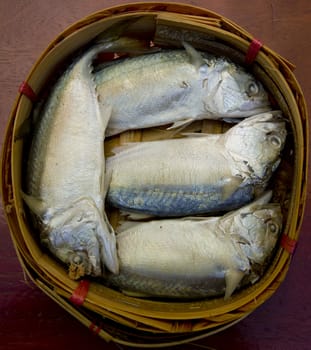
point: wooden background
(28, 318)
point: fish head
(255, 145)
(256, 227)
(260, 230)
(234, 93)
(74, 242)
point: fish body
(177, 86)
(65, 180)
(197, 257)
(196, 174)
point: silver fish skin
(65, 181)
(177, 86)
(196, 257)
(197, 174)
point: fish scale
(201, 173)
(197, 257)
(178, 201)
(64, 187)
(176, 86)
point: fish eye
(76, 259)
(275, 141)
(252, 89)
(273, 227)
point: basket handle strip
(27, 90)
(288, 244)
(252, 51)
(79, 294)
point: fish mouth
(79, 265)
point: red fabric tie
(27, 90)
(288, 244)
(79, 294)
(252, 51)
(95, 329)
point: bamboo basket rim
(280, 73)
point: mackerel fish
(199, 174)
(65, 179)
(177, 86)
(197, 257)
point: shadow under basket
(110, 314)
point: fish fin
(105, 115)
(264, 198)
(180, 124)
(233, 277)
(261, 200)
(36, 205)
(196, 58)
(124, 225)
(109, 245)
(232, 120)
(208, 222)
(128, 46)
(230, 186)
(135, 216)
(105, 111)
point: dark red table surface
(28, 318)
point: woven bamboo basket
(109, 313)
